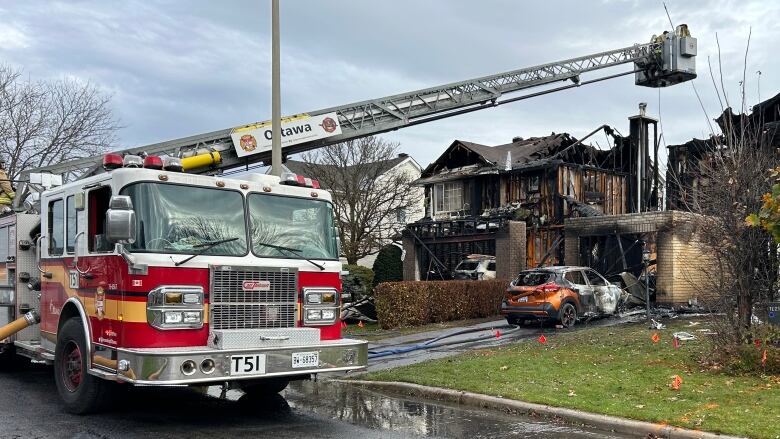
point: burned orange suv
(562, 294)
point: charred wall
(680, 260)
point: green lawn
(617, 371)
(372, 331)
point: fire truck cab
(149, 276)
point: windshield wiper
(292, 250)
(205, 246)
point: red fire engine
(151, 268)
(149, 275)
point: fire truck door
(98, 277)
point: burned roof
(462, 153)
(463, 158)
(768, 110)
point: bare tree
(366, 198)
(724, 183)
(47, 122)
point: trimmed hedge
(388, 266)
(414, 303)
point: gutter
(602, 422)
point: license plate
(305, 359)
(523, 299)
(247, 364)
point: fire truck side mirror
(120, 220)
(79, 201)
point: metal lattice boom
(393, 112)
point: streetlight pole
(276, 95)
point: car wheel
(81, 392)
(267, 386)
(568, 315)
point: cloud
(177, 69)
(13, 38)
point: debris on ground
(683, 336)
(656, 325)
(360, 310)
(635, 288)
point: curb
(603, 422)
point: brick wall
(510, 250)
(682, 275)
(411, 271)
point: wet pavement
(31, 409)
(507, 335)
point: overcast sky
(177, 68)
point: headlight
(192, 317)
(320, 296)
(320, 306)
(175, 307)
(173, 317)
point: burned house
(512, 200)
(685, 175)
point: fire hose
(29, 319)
(437, 341)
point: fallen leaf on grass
(571, 393)
(640, 406)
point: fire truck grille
(236, 304)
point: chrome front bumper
(163, 366)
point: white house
(393, 225)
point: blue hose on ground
(436, 342)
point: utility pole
(276, 105)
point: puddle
(417, 418)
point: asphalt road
(31, 409)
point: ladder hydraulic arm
(666, 60)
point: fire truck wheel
(81, 392)
(267, 386)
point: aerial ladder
(666, 60)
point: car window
(575, 277)
(467, 265)
(491, 266)
(595, 279)
(534, 278)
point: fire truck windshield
(174, 218)
(303, 224)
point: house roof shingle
(520, 152)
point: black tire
(266, 386)
(81, 392)
(567, 315)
